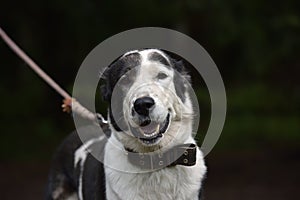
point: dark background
(255, 44)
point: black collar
(184, 154)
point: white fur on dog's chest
(179, 182)
(172, 183)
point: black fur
(128, 63)
(63, 174)
(116, 70)
(112, 75)
(158, 58)
(181, 79)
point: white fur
(164, 94)
(72, 197)
(80, 156)
(174, 183)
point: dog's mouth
(152, 133)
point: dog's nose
(143, 105)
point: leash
(69, 103)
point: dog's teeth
(157, 128)
(151, 134)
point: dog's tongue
(151, 128)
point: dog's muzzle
(148, 130)
(142, 106)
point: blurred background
(255, 44)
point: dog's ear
(180, 68)
(109, 78)
(179, 64)
(105, 93)
(105, 88)
(181, 78)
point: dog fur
(168, 122)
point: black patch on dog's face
(112, 75)
(181, 79)
(156, 57)
(127, 63)
(116, 70)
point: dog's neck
(184, 154)
(181, 150)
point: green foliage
(254, 43)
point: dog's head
(149, 102)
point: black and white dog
(149, 151)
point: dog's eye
(162, 75)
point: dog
(148, 148)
